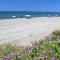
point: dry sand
(24, 31)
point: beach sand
(23, 31)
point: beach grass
(46, 49)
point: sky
(30, 5)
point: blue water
(21, 14)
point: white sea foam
(13, 16)
(27, 15)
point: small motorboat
(13, 16)
(28, 16)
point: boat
(28, 16)
(13, 16)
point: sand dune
(23, 31)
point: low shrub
(42, 50)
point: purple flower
(6, 58)
(52, 58)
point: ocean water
(26, 14)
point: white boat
(27, 15)
(13, 16)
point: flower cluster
(46, 49)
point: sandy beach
(23, 31)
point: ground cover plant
(46, 49)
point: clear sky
(30, 5)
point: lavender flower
(6, 57)
(52, 58)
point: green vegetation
(48, 49)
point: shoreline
(23, 31)
(30, 18)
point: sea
(26, 14)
